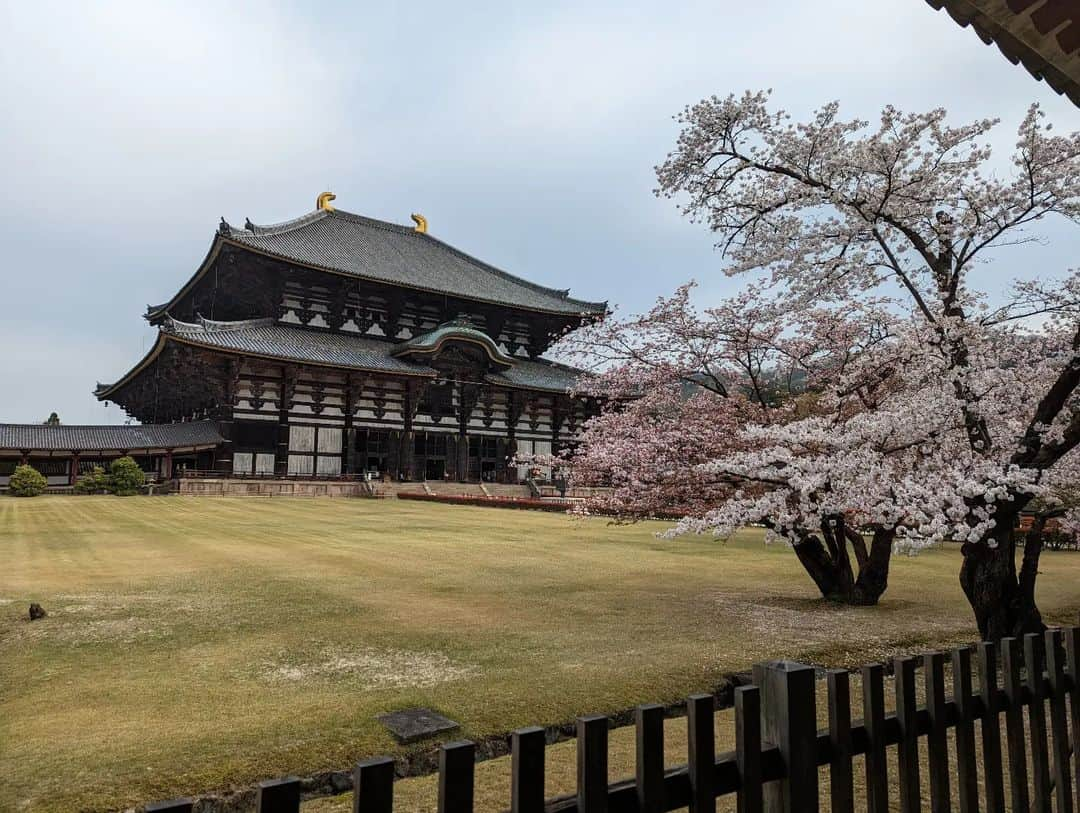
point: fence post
(748, 748)
(967, 777)
(592, 765)
(373, 786)
(841, 779)
(1072, 669)
(527, 770)
(1040, 759)
(907, 750)
(937, 753)
(649, 722)
(1011, 663)
(1059, 725)
(877, 775)
(789, 720)
(701, 752)
(278, 796)
(993, 779)
(457, 762)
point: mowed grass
(198, 644)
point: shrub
(26, 481)
(95, 481)
(125, 477)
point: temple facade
(335, 344)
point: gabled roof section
(1043, 35)
(64, 437)
(430, 343)
(267, 339)
(353, 245)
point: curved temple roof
(64, 437)
(268, 339)
(345, 243)
(431, 343)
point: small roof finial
(323, 201)
(421, 223)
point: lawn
(198, 644)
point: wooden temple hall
(335, 344)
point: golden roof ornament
(323, 201)
(421, 223)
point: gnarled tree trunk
(827, 560)
(1003, 599)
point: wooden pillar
(285, 397)
(166, 465)
(24, 457)
(413, 394)
(224, 415)
(514, 410)
(468, 397)
(348, 434)
(73, 472)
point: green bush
(125, 477)
(95, 481)
(26, 481)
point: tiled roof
(537, 374)
(62, 437)
(400, 255)
(1042, 35)
(266, 338)
(269, 338)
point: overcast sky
(526, 133)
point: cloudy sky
(526, 133)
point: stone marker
(37, 611)
(410, 725)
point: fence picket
(1072, 669)
(373, 786)
(990, 728)
(748, 748)
(1059, 725)
(278, 796)
(457, 762)
(527, 770)
(1040, 761)
(1011, 662)
(841, 779)
(649, 724)
(937, 742)
(877, 776)
(701, 750)
(907, 752)
(592, 764)
(967, 779)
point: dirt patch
(373, 668)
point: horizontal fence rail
(780, 749)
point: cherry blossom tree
(697, 403)
(977, 402)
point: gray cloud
(526, 133)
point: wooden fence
(780, 749)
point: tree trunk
(874, 572)
(829, 564)
(1003, 601)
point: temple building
(335, 344)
